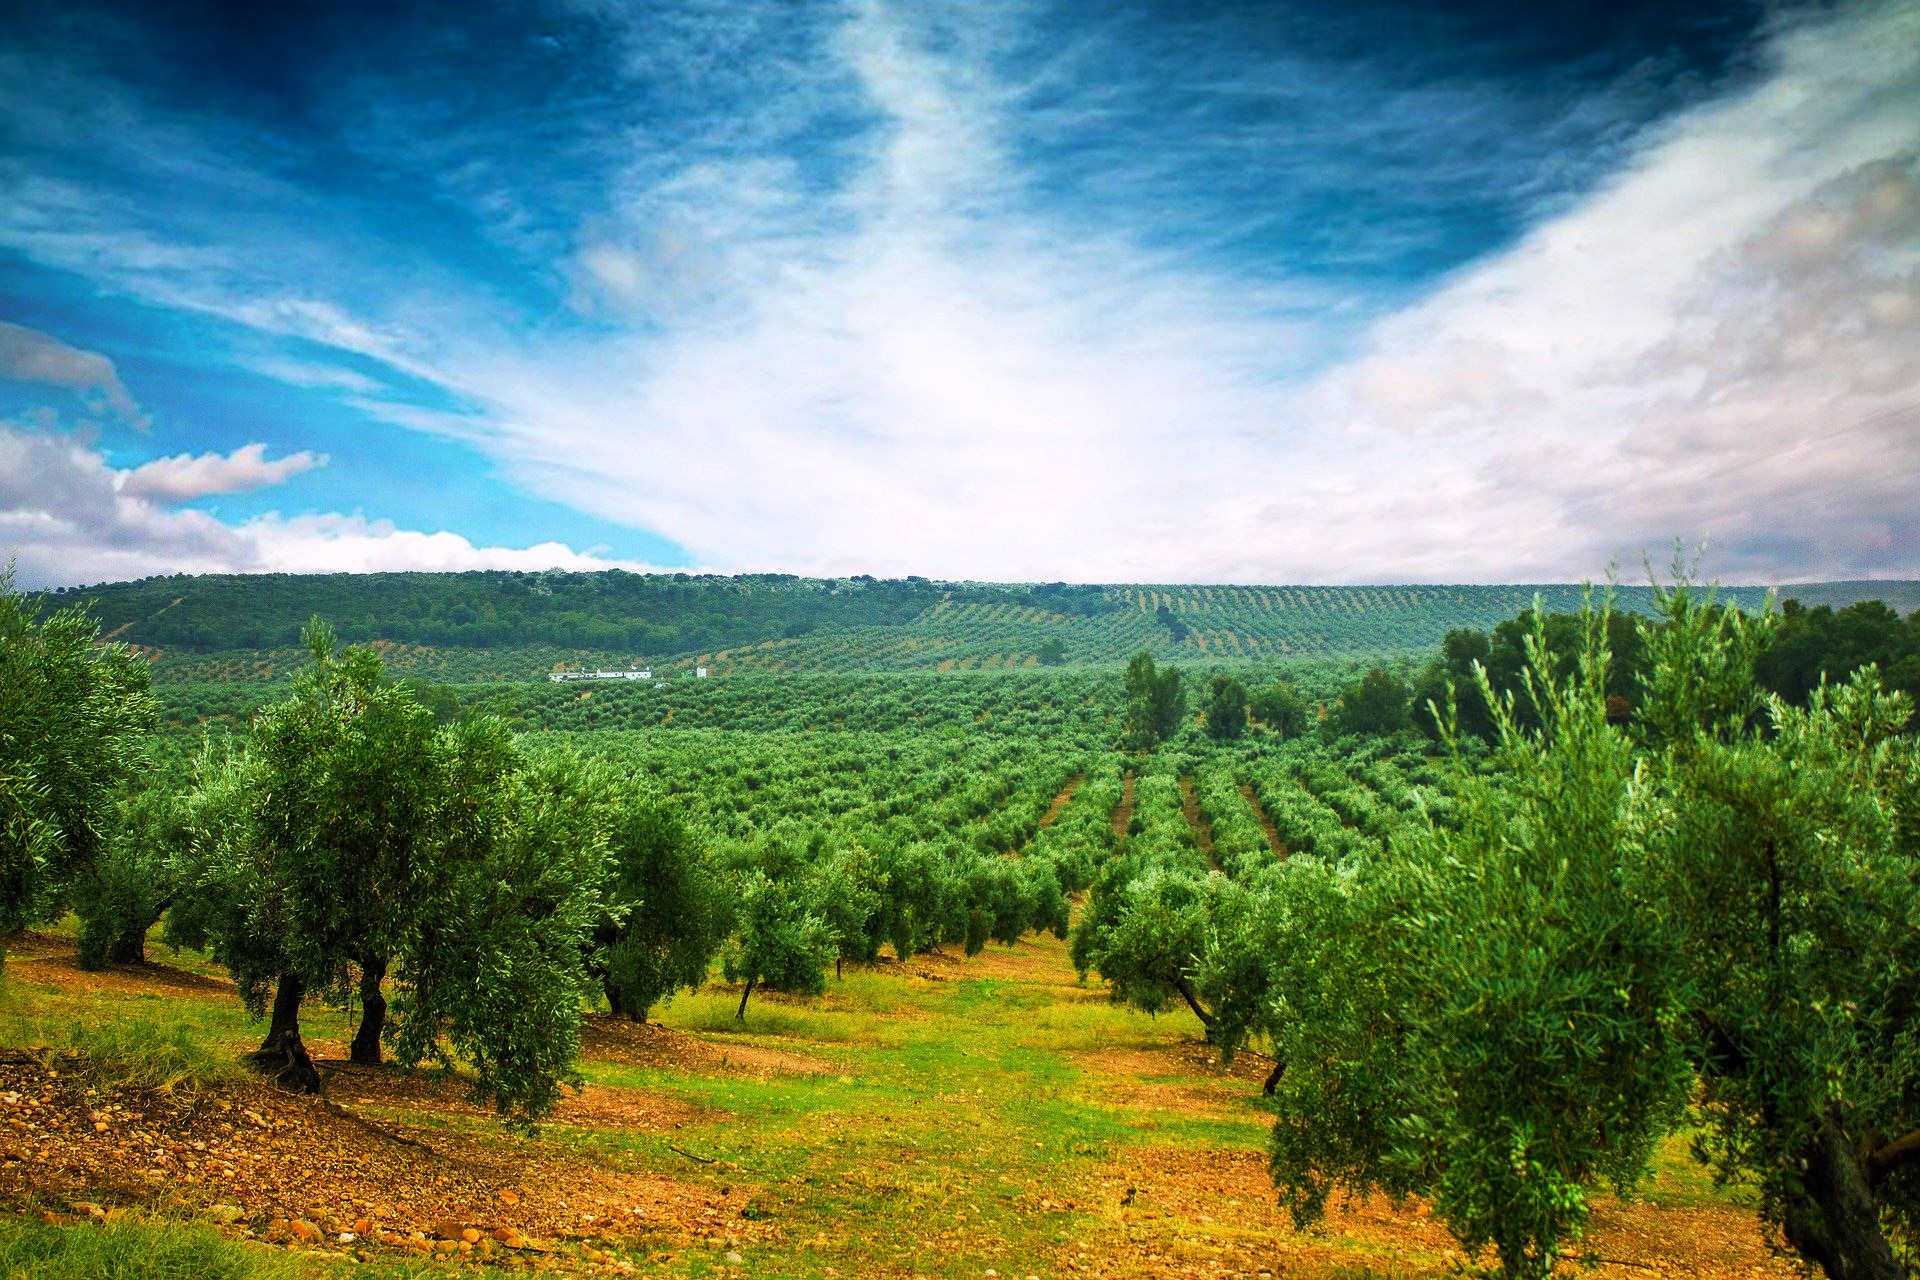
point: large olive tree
(1722, 901)
(74, 717)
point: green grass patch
(135, 1250)
(711, 1012)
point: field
(1021, 936)
(493, 627)
(945, 1117)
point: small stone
(470, 1235)
(304, 1230)
(224, 1214)
(735, 1258)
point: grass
(711, 1012)
(934, 1120)
(161, 1051)
(143, 1041)
(136, 1250)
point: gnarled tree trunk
(740, 1014)
(1835, 1220)
(373, 1014)
(283, 1055)
(129, 948)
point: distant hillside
(513, 626)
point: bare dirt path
(1061, 801)
(1280, 849)
(1202, 830)
(1123, 816)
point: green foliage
(229, 899)
(344, 790)
(1450, 684)
(1722, 899)
(1156, 702)
(1226, 708)
(666, 909)
(1508, 1031)
(781, 941)
(1281, 709)
(1787, 851)
(1374, 704)
(496, 973)
(132, 883)
(1052, 652)
(1822, 644)
(73, 719)
(1143, 930)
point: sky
(1337, 291)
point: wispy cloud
(1722, 344)
(185, 477)
(1012, 293)
(27, 355)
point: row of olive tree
(352, 845)
(1706, 918)
(1712, 914)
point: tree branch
(1186, 993)
(1902, 1151)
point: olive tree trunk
(283, 1055)
(740, 1014)
(373, 1014)
(1835, 1219)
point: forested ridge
(463, 627)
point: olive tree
(781, 939)
(1719, 906)
(666, 910)
(1507, 1033)
(1788, 845)
(344, 801)
(1226, 708)
(74, 718)
(130, 886)
(494, 972)
(1156, 701)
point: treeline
(1806, 647)
(640, 614)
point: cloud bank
(70, 518)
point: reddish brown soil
(1061, 801)
(1266, 823)
(1123, 816)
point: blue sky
(1232, 292)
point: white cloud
(1724, 343)
(184, 477)
(27, 355)
(67, 517)
(960, 386)
(926, 366)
